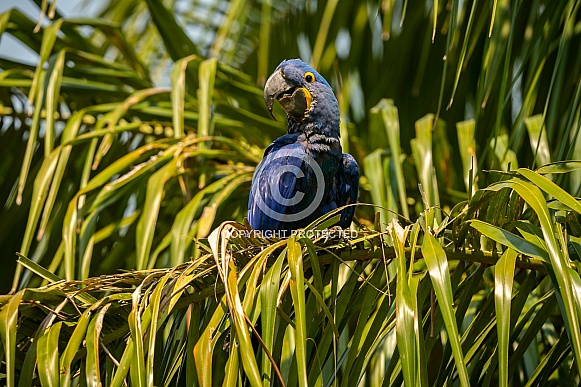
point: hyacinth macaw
(303, 174)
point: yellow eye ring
(309, 77)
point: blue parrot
(303, 174)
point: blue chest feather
(298, 180)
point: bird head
(305, 96)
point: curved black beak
(276, 86)
(294, 99)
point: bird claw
(336, 234)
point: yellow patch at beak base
(308, 97)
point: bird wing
(277, 186)
(348, 189)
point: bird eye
(309, 77)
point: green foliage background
(136, 133)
